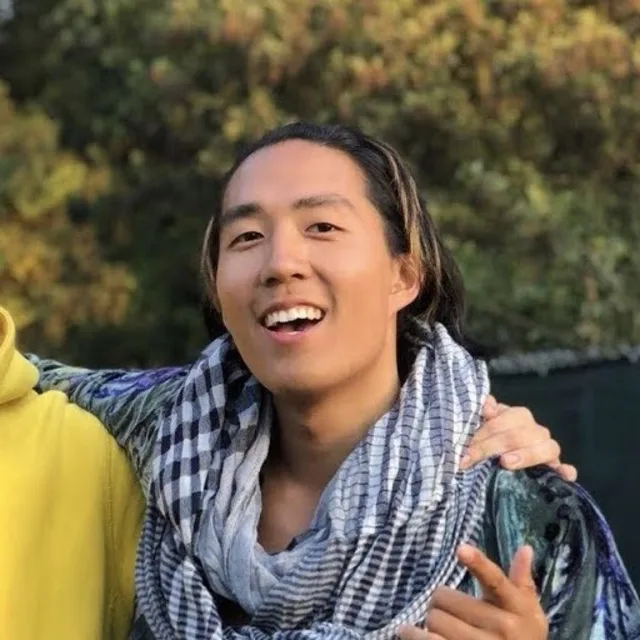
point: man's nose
(286, 257)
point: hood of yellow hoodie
(17, 375)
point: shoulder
(124, 512)
(127, 402)
(536, 506)
(539, 496)
(48, 433)
(581, 579)
(141, 392)
(112, 387)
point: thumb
(490, 408)
(521, 570)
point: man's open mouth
(295, 319)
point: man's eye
(323, 227)
(247, 236)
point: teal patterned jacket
(581, 580)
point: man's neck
(316, 435)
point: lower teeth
(295, 326)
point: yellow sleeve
(126, 506)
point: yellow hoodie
(70, 514)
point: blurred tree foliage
(520, 117)
(51, 273)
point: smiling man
(307, 475)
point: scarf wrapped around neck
(383, 537)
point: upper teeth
(295, 313)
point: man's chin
(297, 382)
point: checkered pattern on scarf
(395, 512)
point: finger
(474, 611)
(516, 419)
(567, 471)
(409, 632)
(514, 443)
(521, 570)
(492, 408)
(476, 451)
(510, 432)
(489, 408)
(496, 587)
(474, 454)
(545, 452)
(444, 624)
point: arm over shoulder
(127, 402)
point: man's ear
(406, 283)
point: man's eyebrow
(321, 200)
(240, 212)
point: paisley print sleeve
(583, 585)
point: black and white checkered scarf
(384, 535)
